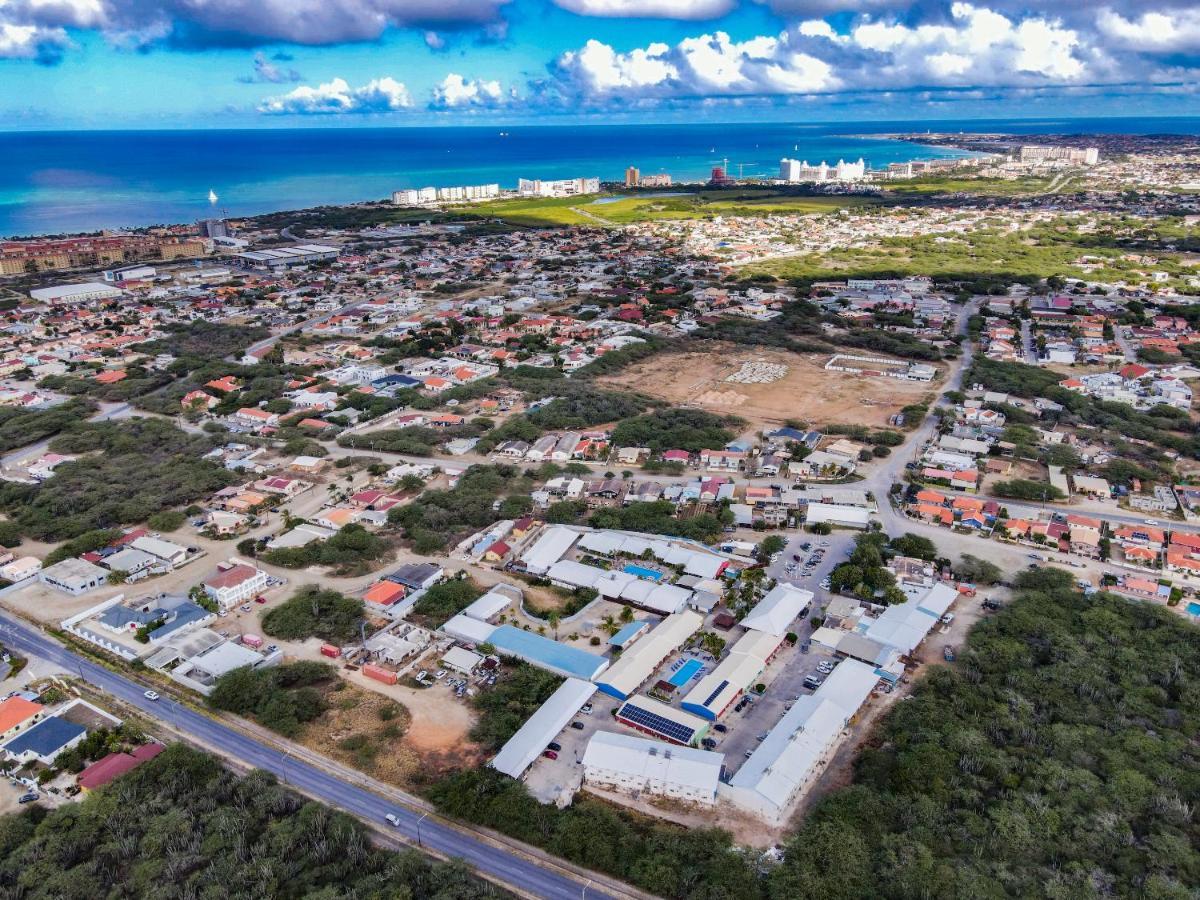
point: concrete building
(73, 576)
(563, 187)
(734, 675)
(636, 765)
(235, 582)
(794, 171)
(638, 662)
(63, 294)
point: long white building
(459, 194)
(794, 751)
(631, 764)
(795, 171)
(563, 187)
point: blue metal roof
(547, 653)
(625, 635)
(46, 737)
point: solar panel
(713, 696)
(656, 723)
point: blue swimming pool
(1193, 608)
(685, 673)
(642, 572)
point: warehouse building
(736, 674)
(548, 549)
(76, 293)
(832, 514)
(792, 754)
(639, 661)
(286, 257)
(547, 654)
(519, 752)
(635, 765)
(904, 625)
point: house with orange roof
(112, 376)
(967, 505)
(197, 399)
(1182, 563)
(966, 480)
(224, 385)
(1015, 529)
(940, 515)
(1141, 556)
(383, 595)
(17, 714)
(1141, 536)
(1085, 542)
(933, 497)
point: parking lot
(549, 779)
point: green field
(631, 209)
(987, 187)
(1049, 249)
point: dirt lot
(806, 392)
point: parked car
(245, 607)
(577, 725)
(812, 682)
(28, 798)
(587, 707)
(708, 743)
(549, 754)
(260, 599)
(439, 674)
(721, 728)
(554, 745)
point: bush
(282, 698)
(445, 600)
(167, 520)
(313, 612)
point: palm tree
(553, 619)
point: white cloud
(456, 92)
(1153, 31)
(336, 97)
(975, 47)
(649, 9)
(434, 41)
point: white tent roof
(551, 717)
(776, 611)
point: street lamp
(419, 821)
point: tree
(978, 571)
(769, 546)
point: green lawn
(627, 210)
(935, 184)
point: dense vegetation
(667, 860)
(143, 466)
(1024, 489)
(433, 519)
(864, 574)
(658, 517)
(508, 704)
(282, 698)
(199, 342)
(313, 612)
(676, 429)
(443, 601)
(351, 551)
(181, 825)
(1057, 760)
(19, 427)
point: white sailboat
(212, 196)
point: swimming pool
(642, 572)
(685, 673)
(1193, 608)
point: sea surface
(71, 181)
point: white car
(393, 820)
(439, 674)
(150, 695)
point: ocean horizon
(58, 182)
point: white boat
(212, 196)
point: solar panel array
(713, 696)
(656, 723)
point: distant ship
(212, 196)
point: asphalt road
(501, 864)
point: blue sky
(269, 63)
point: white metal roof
(776, 611)
(838, 515)
(638, 663)
(493, 602)
(540, 728)
(735, 673)
(549, 549)
(939, 599)
(655, 761)
(785, 759)
(464, 628)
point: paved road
(497, 862)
